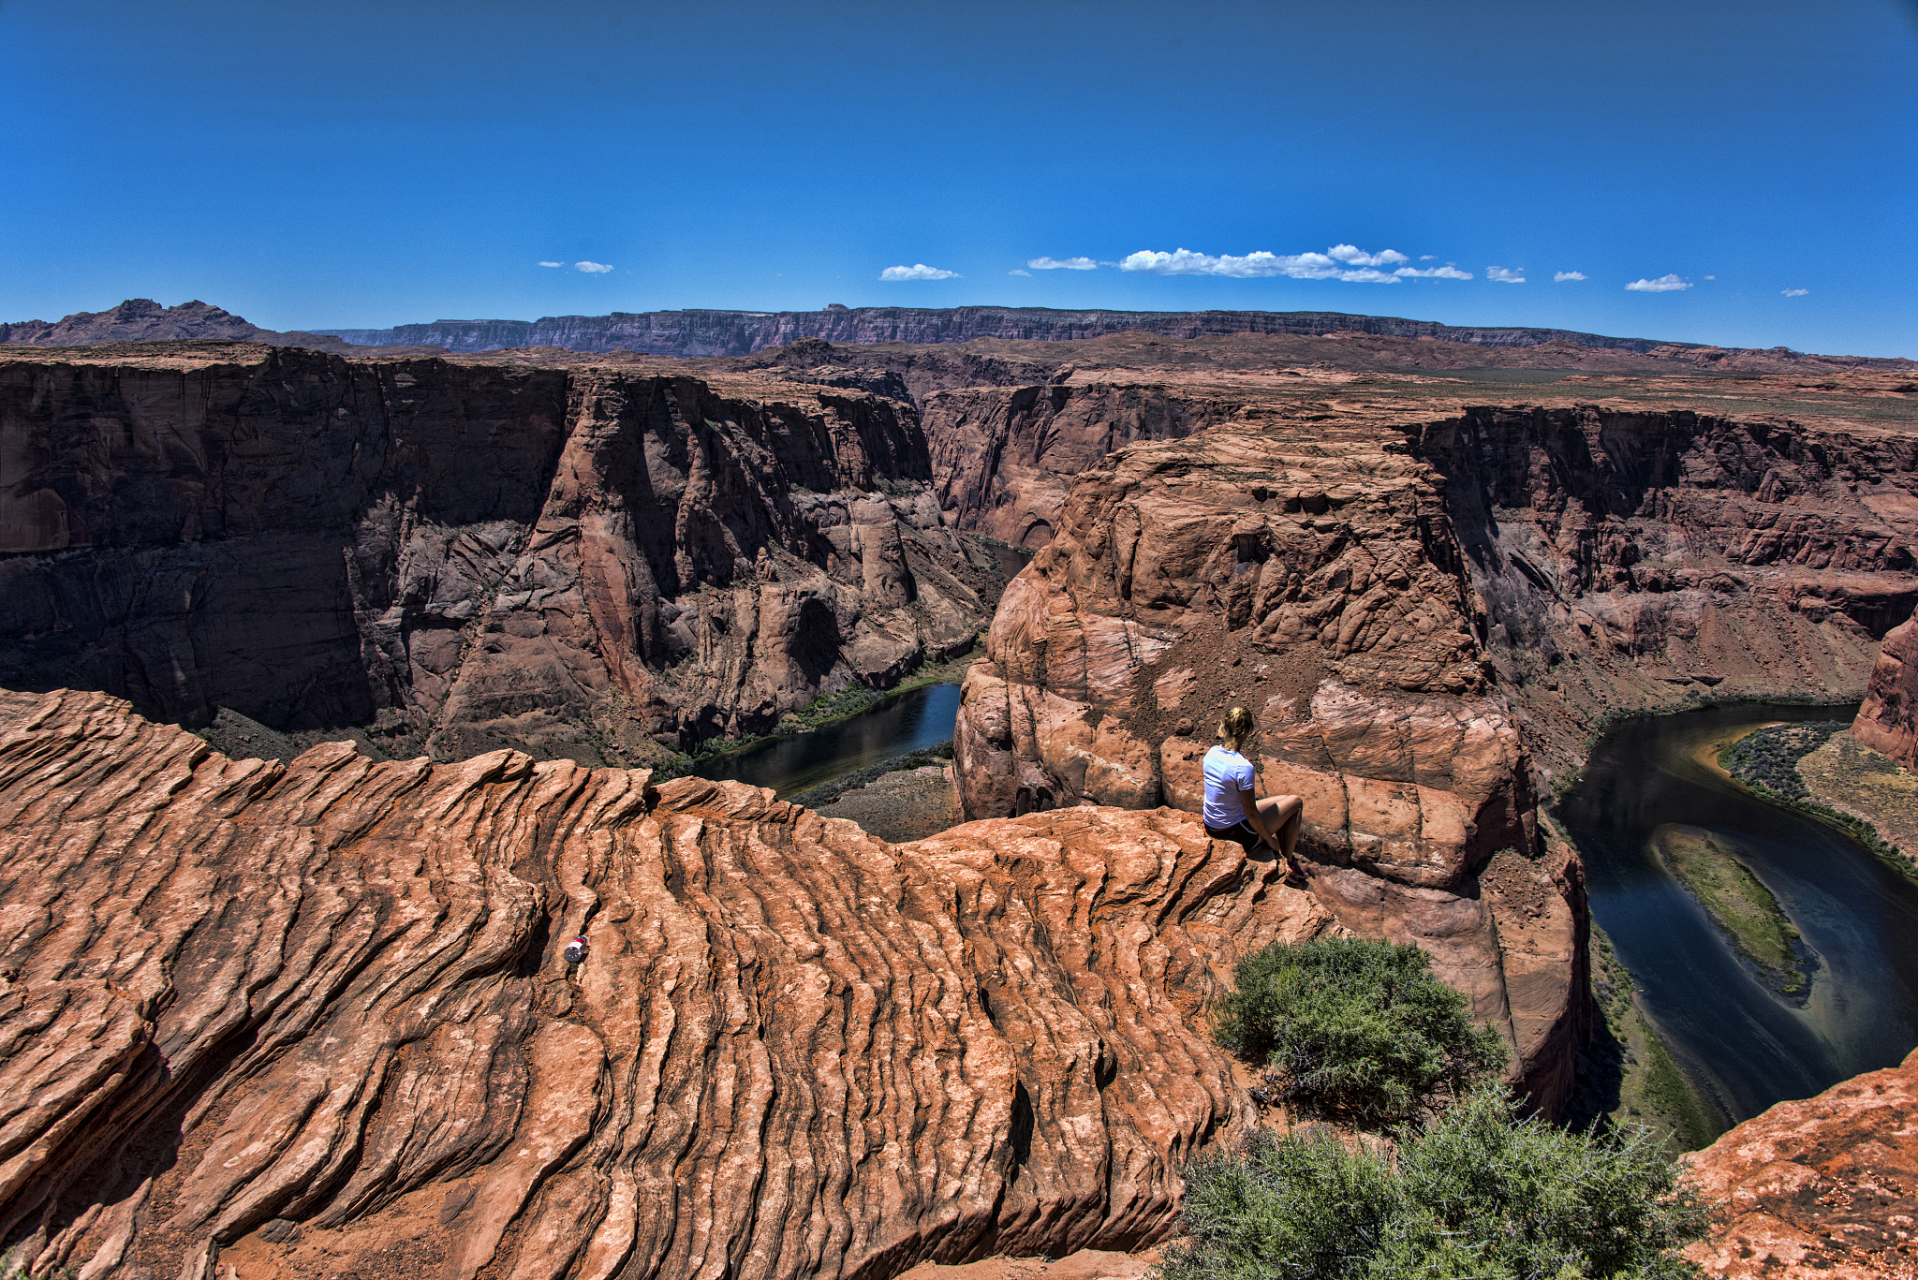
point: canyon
(517, 580)
(608, 566)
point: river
(1743, 1045)
(893, 726)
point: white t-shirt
(1226, 774)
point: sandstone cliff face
(1623, 556)
(738, 333)
(1820, 1189)
(578, 562)
(1003, 459)
(1318, 582)
(1888, 719)
(311, 1019)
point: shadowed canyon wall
(592, 563)
(310, 1019)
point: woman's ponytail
(1237, 726)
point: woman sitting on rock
(1230, 811)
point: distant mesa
(144, 320)
(711, 334)
(741, 333)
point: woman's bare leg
(1283, 814)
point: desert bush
(1354, 1028)
(1478, 1193)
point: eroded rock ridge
(311, 1019)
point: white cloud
(1446, 272)
(918, 271)
(1062, 264)
(1505, 275)
(1795, 293)
(1711, 277)
(1427, 257)
(1341, 262)
(1018, 272)
(1352, 255)
(1664, 284)
(592, 268)
(1561, 277)
(552, 264)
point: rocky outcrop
(593, 563)
(1319, 583)
(1820, 1189)
(1888, 720)
(738, 333)
(144, 320)
(311, 1019)
(1413, 611)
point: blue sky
(358, 164)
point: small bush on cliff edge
(1479, 1193)
(1355, 1028)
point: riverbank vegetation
(842, 705)
(1626, 1076)
(1738, 903)
(828, 792)
(1768, 761)
(1770, 756)
(1460, 1185)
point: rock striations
(594, 563)
(311, 1019)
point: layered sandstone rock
(1319, 583)
(1003, 458)
(581, 562)
(1623, 558)
(311, 1019)
(1888, 720)
(1821, 1189)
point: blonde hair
(1237, 726)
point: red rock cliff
(311, 1019)
(582, 562)
(1888, 720)
(1317, 581)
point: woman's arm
(1248, 801)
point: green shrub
(1477, 1194)
(1354, 1028)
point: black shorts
(1242, 834)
